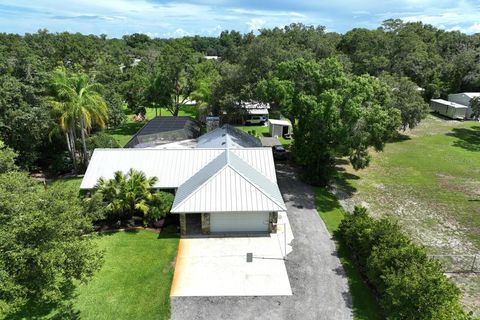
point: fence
(459, 263)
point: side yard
(430, 181)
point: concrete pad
(219, 267)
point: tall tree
(333, 114)
(78, 101)
(43, 248)
(173, 82)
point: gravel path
(319, 285)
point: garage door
(239, 222)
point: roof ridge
(203, 183)
(263, 191)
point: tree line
(392, 70)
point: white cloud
(255, 23)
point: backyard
(429, 179)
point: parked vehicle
(279, 152)
(256, 120)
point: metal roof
(270, 141)
(449, 103)
(227, 136)
(260, 111)
(172, 167)
(280, 122)
(161, 130)
(228, 184)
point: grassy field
(430, 181)
(125, 132)
(133, 283)
(365, 306)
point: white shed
(464, 98)
(279, 128)
(449, 109)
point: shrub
(101, 140)
(408, 283)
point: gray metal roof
(227, 136)
(228, 184)
(172, 167)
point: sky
(166, 19)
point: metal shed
(279, 128)
(464, 98)
(448, 109)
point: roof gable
(228, 183)
(227, 136)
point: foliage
(116, 109)
(7, 158)
(332, 114)
(475, 105)
(131, 193)
(408, 283)
(101, 140)
(43, 250)
(77, 100)
(174, 79)
(406, 97)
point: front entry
(223, 222)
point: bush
(408, 283)
(101, 140)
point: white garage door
(239, 222)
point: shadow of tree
(399, 137)
(343, 181)
(468, 138)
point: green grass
(365, 306)
(133, 283)
(124, 132)
(436, 169)
(263, 131)
(73, 182)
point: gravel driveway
(320, 289)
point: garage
(223, 222)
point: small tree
(131, 193)
(475, 105)
(7, 158)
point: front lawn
(365, 307)
(263, 131)
(133, 283)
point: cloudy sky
(159, 18)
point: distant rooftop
(228, 136)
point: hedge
(408, 284)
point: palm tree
(78, 101)
(128, 193)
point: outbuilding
(464, 98)
(448, 109)
(279, 128)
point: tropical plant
(77, 101)
(131, 193)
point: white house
(464, 98)
(222, 185)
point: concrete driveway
(317, 279)
(218, 267)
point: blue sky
(159, 18)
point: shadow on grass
(399, 137)
(343, 181)
(127, 129)
(468, 138)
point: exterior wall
(183, 224)
(272, 222)
(276, 130)
(205, 223)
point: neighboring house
(253, 112)
(448, 109)
(163, 130)
(225, 184)
(464, 98)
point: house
(279, 128)
(448, 109)
(254, 112)
(162, 130)
(225, 184)
(464, 98)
